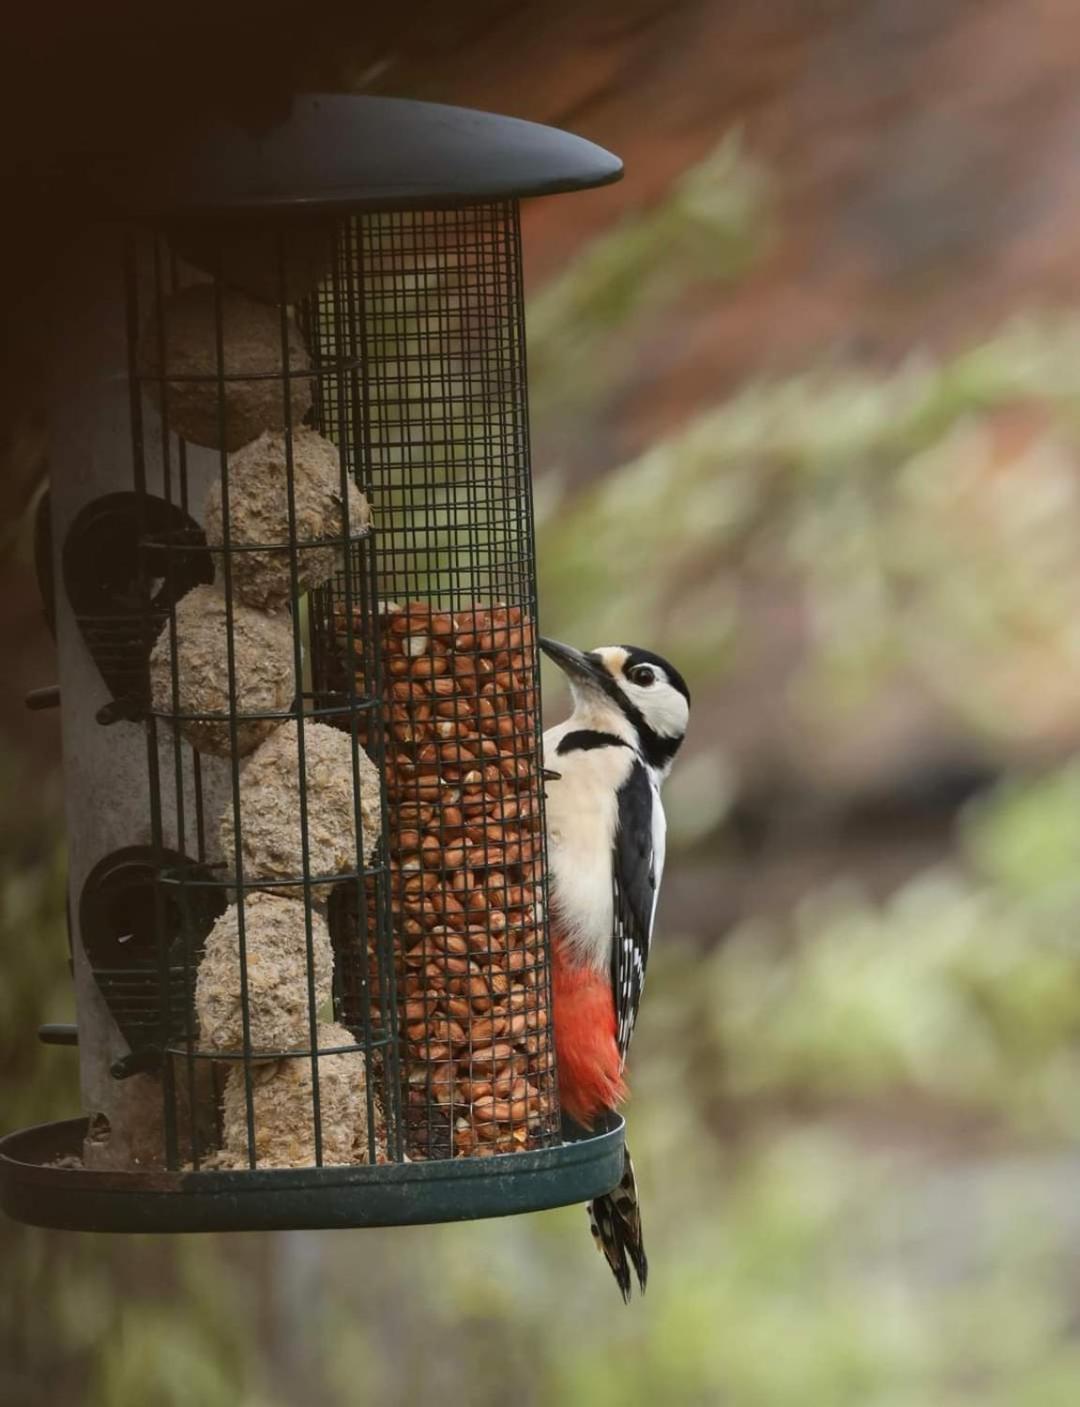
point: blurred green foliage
(713, 226)
(914, 542)
(960, 988)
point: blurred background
(806, 397)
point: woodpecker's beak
(578, 667)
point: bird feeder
(295, 599)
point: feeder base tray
(34, 1190)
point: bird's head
(630, 692)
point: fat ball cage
(295, 604)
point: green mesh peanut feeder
(297, 633)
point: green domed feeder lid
(336, 154)
(42, 1183)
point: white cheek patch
(672, 714)
(663, 708)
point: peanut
(462, 790)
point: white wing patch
(659, 849)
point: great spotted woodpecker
(606, 830)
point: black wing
(636, 868)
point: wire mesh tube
(340, 700)
(437, 383)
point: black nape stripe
(656, 750)
(583, 739)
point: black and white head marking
(586, 739)
(642, 687)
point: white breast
(581, 820)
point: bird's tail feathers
(615, 1222)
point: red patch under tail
(590, 1075)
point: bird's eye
(642, 674)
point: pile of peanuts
(463, 796)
